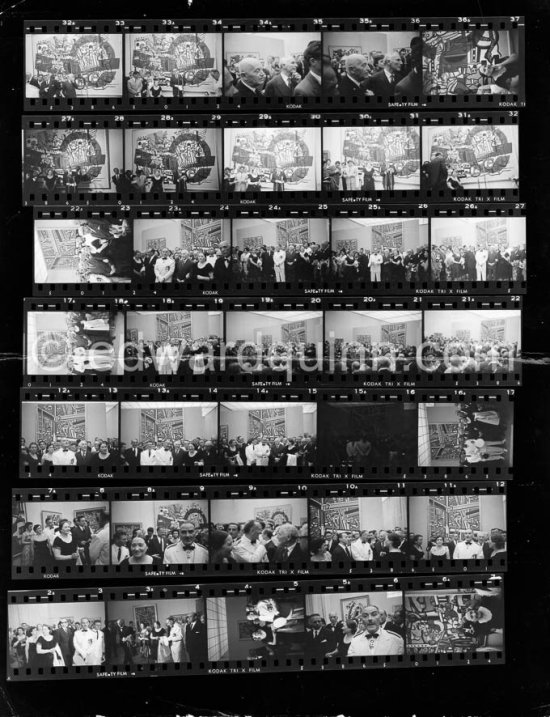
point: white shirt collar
(316, 76)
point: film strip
(266, 433)
(326, 251)
(275, 627)
(274, 342)
(247, 530)
(364, 63)
(244, 159)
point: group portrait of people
(291, 76)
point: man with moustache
(375, 641)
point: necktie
(392, 78)
(284, 555)
(119, 554)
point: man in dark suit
(83, 454)
(251, 78)
(131, 455)
(451, 543)
(332, 541)
(383, 83)
(310, 86)
(319, 641)
(357, 70)
(157, 545)
(178, 454)
(177, 82)
(289, 551)
(64, 637)
(342, 553)
(123, 640)
(195, 640)
(335, 627)
(222, 268)
(283, 84)
(83, 537)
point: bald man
(283, 84)
(251, 77)
(383, 83)
(357, 71)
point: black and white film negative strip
(312, 250)
(178, 630)
(265, 433)
(270, 63)
(280, 342)
(306, 531)
(245, 159)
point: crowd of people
(51, 85)
(274, 541)
(468, 263)
(350, 175)
(269, 451)
(104, 251)
(179, 639)
(379, 359)
(347, 546)
(370, 632)
(85, 642)
(65, 643)
(173, 357)
(393, 74)
(464, 544)
(389, 266)
(60, 541)
(152, 181)
(205, 266)
(468, 355)
(143, 83)
(39, 456)
(279, 358)
(298, 262)
(294, 76)
(171, 452)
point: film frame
(434, 220)
(276, 598)
(324, 507)
(312, 342)
(193, 48)
(328, 442)
(270, 157)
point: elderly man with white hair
(383, 83)
(283, 84)
(289, 550)
(251, 77)
(357, 71)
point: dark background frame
(522, 686)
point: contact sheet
(316, 64)
(233, 629)
(400, 434)
(300, 249)
(351, 529)
(242, 159)
(270, 342)
(274, 349)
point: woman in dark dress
(156, 182)
(349, 268)
(156, 633)
(46, 645)
(397, 270)
(415, 551)
(32, 637)
(42, 554)
(65, 547)
(368, 178)
(203, 269)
